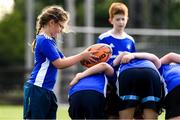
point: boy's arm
(142, 55)
(99, 68)
(170, 58)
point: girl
(139, 84)
(39, 99)
(87, 97)
(170, 71)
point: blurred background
(154, 24)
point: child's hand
(126, 58)
(75, 79)
(89, 56)
(118, 60)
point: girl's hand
(126, 58)
(118, 59)
(75, 79)
(89, 56)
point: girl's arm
(98, 68)
(170, 58)
(61, 63)
(118, 59)
(149, 56)
(141, 55)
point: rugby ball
(102, 51)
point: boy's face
(119, 21)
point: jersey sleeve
(133, 48)
(49, 49)
(100, 40)
(132, 44)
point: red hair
(118, 8)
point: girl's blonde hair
(56, 13)
(118, 8)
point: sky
(6, 7)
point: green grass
(62, 113)
(161, 117)
(8, 112)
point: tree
(12, 36)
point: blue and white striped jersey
(118, 43)
(44, 73)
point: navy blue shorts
(140, 86)
(87, 104)
(172, 103)
(39, 103)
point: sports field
(8, 112)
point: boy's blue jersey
(118, 44)
(137, 63)
(171, 75)
(97, 82)
(44, 73)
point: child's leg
(150, 114)
(127, 113)
(175, 118)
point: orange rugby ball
(102, 51)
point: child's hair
(56, 13)
(118, 8)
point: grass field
(8, 112)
